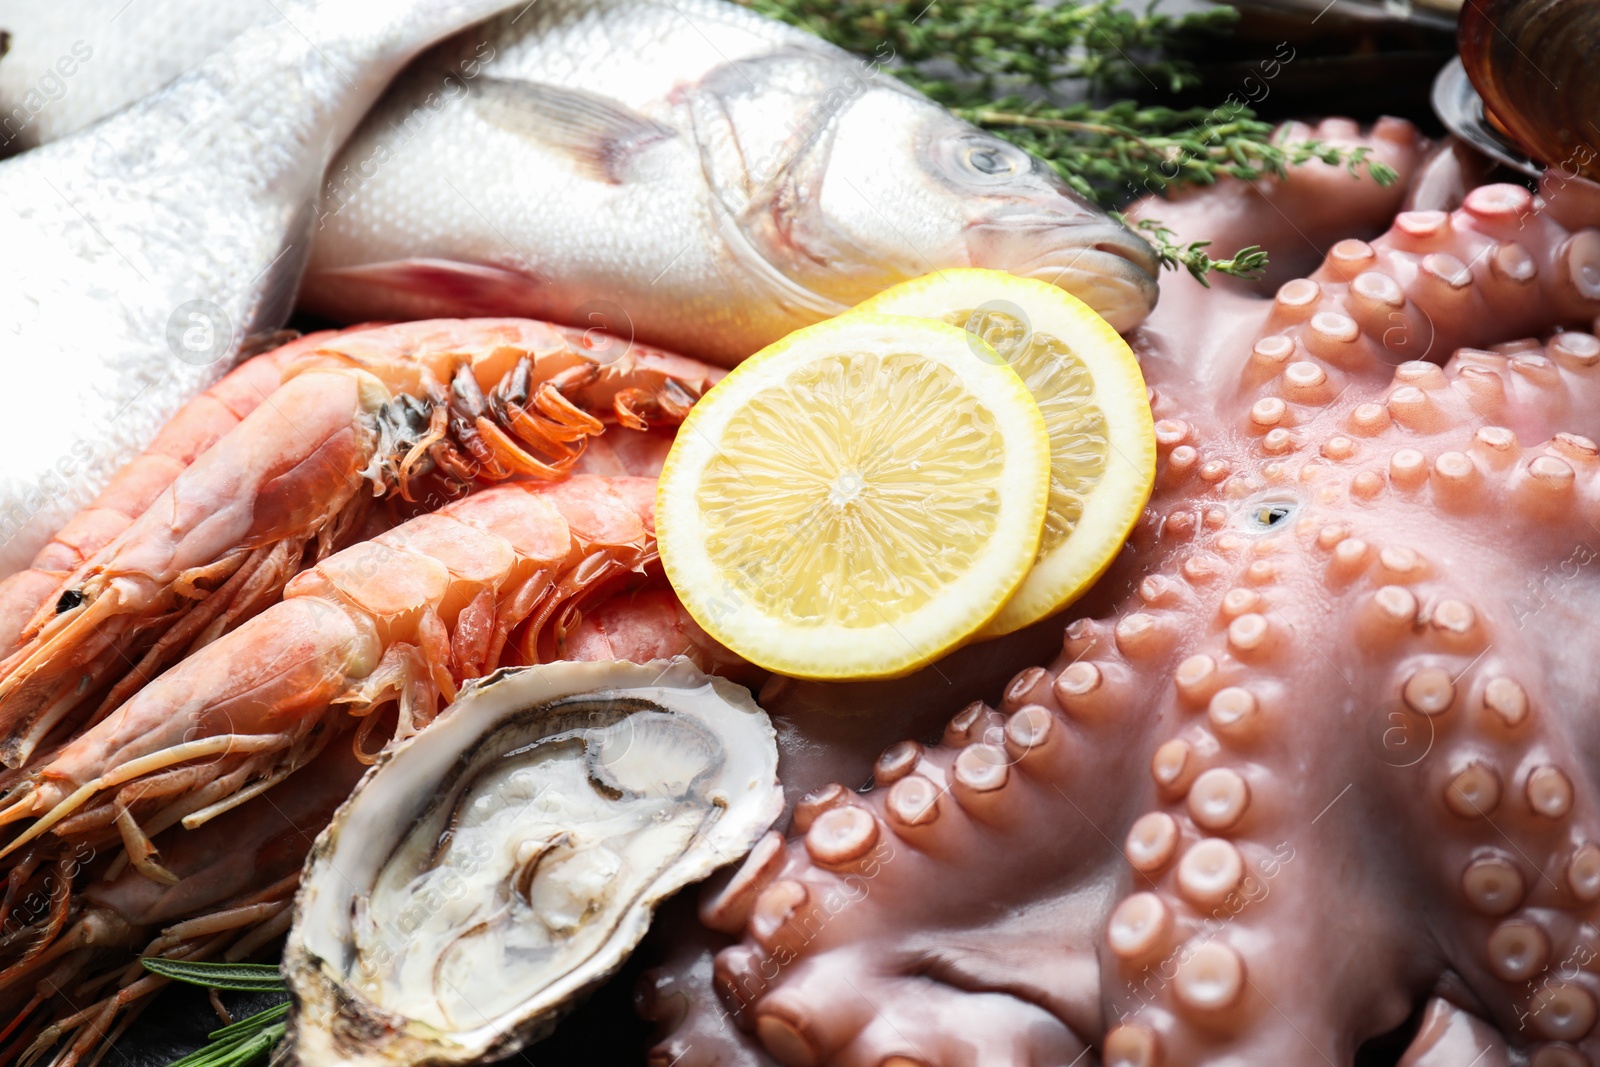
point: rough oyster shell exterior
(688, 766)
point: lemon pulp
(856, 499)
(1064, 390)
(1091, 394)
(876, 507)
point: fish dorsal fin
(597, 133)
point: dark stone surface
(604, 1030)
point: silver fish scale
(73, 63)
(531, 211)
(89, 290)
(739, 178)
(655, 46)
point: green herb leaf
(250, 1024)
(1121, 151)
(1014, 41)
(1248, 262)
(244, 977)
(236, 1052)
(1011, 58)
(242, 1043)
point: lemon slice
(1087, 384)
(855, 499)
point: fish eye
(989, 159)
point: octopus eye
(1263, 515)
(69, 600)
(1272, 514)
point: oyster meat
(494, 868)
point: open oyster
(506, 860)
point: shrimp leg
(369, 625)
(430, 407)
(197, 426)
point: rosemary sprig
(1111, 151)
(246, 1041)
(240, 977)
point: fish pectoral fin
(599, 135)
(424, 289)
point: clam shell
(493, 869)
(1460, 108)
(1533, 63)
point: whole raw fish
(687, 171)
(682, 170)
(141, 253)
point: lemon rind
(1119, 388)
(896, 646)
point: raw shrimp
(237, 878)
(197, 426)
(495, 578)
(422, 406)
(648, 623)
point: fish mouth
(1107, 267)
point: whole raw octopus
(1314, 763)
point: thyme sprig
(1004, 42)
(1122, 150)
(1010, 65)
(1248, 262)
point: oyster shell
(491, 870)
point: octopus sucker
(1321, 763)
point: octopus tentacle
(678, 996)
(952, 816)
(1500, 260)
(1218, 827)
(1297, 218)
(1504, 265)
(1449, 1036)
(1191, 340)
